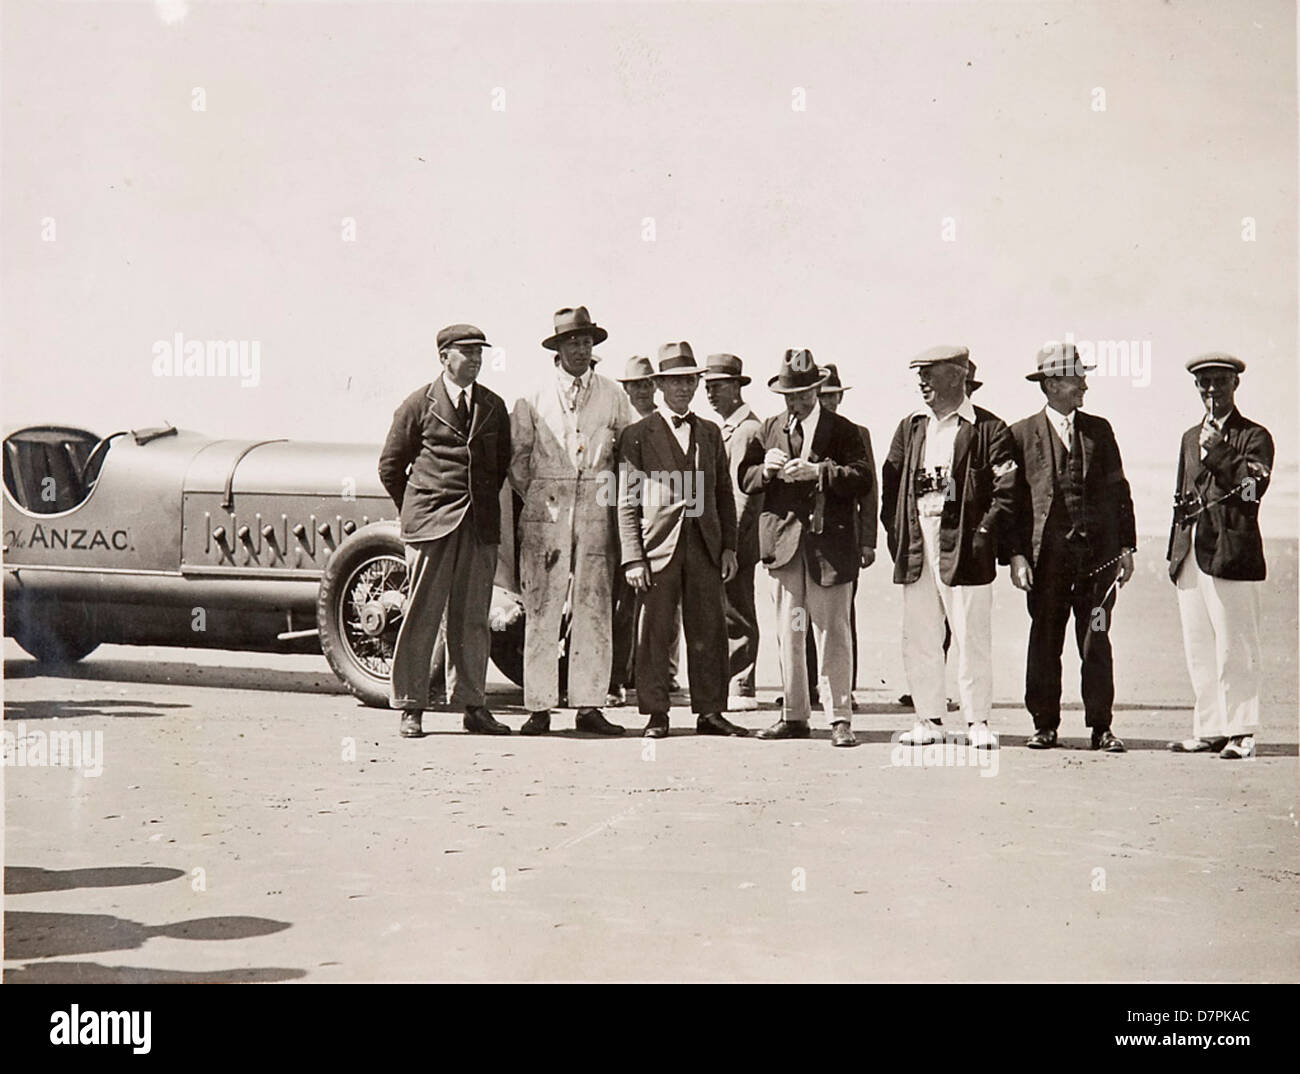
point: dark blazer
(1228, 542)
(843, 475)
(978, 524)
(452, 472)
(1108, 502)
(869, 503)
(652, 502)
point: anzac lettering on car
(52, 537)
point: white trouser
(1221, 640)
(969, 611)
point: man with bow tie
(677, 530)
(443, 463)
(1077, 539)
(564, 437)
(810, 465)
(1216, 559)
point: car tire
(62, 636)
(368, 559)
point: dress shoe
(674, 687)
(923, 733)
(742, 703)
(787, 729)
(1239, 748)
(979, 736)
(906, 700)
(411, 725)
(714, 723)
(616, 698)
(1198, 745)
(478, 721)
(538, 723)
(1105, 739)
(1042, 739)
(842, 734)
(593, 722)
(657, 727)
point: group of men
(699, 505)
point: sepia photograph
(650, 492)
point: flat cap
(1216, 360)
(935, 355)
(461, 333)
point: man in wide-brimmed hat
(948, 504)
(1216, 559)
(724, 379)
(811, 467)
(1077, 540)
(677, 532)
(564, 464)
(443, 463)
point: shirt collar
(567, 379)
(965, 411)
(454, 390)
(810, 422)
(1222, 421)
(737, 416)
(668, 414)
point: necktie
(462, 410)
(574, 389)
(796, 438)
(1069, 433)
(681, 419)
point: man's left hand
(799, 470)
(729, 565)
(1125, 567)
(866, 556)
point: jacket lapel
(442, 408)
(669, 443)
(478, 412)
(1083, 426)
(821, 438)
(961, 446)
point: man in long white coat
(564, 466)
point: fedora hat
(798, 373)
(638, 368)
(971, 383)
(1215, 360)
(461, 333)
(1059, 360)
(677, 360)
(569, 321)
(935, 355)
(833, 383)
(725, 367)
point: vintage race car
(169, 537)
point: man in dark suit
(677, 530)
(948, 502)
(811, 467)
(1216, 558)
(444, 462)
(1078, 532)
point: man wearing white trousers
(1216, 559)
(948, 499)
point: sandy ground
(253, 823)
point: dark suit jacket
(654, 496)
(1108, 503)
(868, 503)
(978, 522)
(1228, 542)
(451, 473)
(843, 475)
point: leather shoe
(787, 729)
(593, 722)
(538, 723)
(1198, 745)
(411, 725)
(479, 721)
(657, 727)
(1240, 748)
(842, 734)
(714, 723)
(1104, 739)
(1043, 739)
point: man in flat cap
(564, 465)
(677, 529)
(811, 467)
(444, 463)
(948, 501)
(1216, 559)
(724, 377)
(1078, 535)
(638, 382)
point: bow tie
(682, 419)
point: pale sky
(773, 227)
